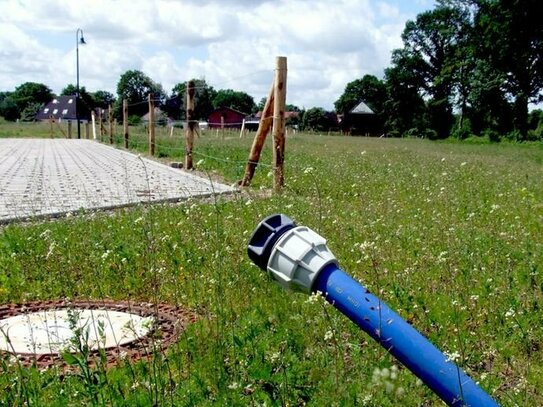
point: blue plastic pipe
(269, 249)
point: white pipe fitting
(298, 257)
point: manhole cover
(38, 333)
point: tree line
(467, 67)
(134, 86)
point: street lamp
(78, 40)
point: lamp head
(82, 40)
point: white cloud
(230, 43)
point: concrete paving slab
(40, 177)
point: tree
(9, 109)
(289, 108)
(404, 109)
(30, 93)
(317, 119)
(535, 125)
(261, 104)
(368, 89)
(433, 39)
(103, 98)
(4, 95)
(237, 100)
(69, 90)
(511, 41)
(30, 111)
(135, 86)
(203, 100)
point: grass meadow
(449, 234)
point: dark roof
(223, 108)
(61, 107)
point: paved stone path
(55, 176)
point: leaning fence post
(266, 120)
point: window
(65, 111)
(55, 101)
(70, 100)
(55, 111)
(46, 110)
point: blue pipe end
(264, 237)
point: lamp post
(78, 40)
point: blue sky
(230, 43)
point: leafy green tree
(237, 100)
(368, 89)
(203, 100)
(512, 41)
(69, 90)
(404, 109)
(261, 104)
(103, 98)
(9, 109)
(135, 86)
(290, 108)
(4, 95)
(30, 111)
(30, 93)
(317, 119)
(433, 38)
(535, 125)
(489, 110)
(535, 119)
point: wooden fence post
(189, 132)
(110, 118)
(69, 129)
(51, 124)
(264, 127)
(125, 122)
(151, 124)
(87, 130)
(279, 103)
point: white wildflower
(452, 357)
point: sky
(232, 44)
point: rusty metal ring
(168, 323)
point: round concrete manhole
(39, 333)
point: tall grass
(449, 235)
